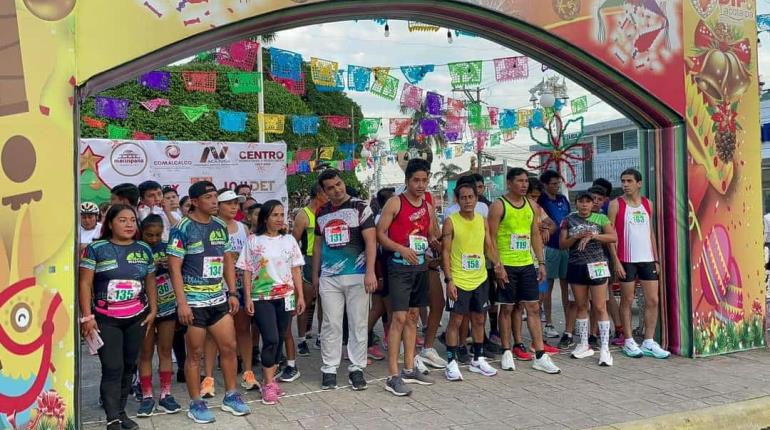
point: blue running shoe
(234, 404)
(169, 405)
(146, 408)
(200, 413)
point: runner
(556, 206)
(584, 233)
(344, 254)
(304, 233)
(636, 256)
(125, 194)
(118, 303)
(517, 232)
(404, 230)
(162, 334)
(184, 206)
(271, 262)
(171, 198)
(465, 241)
(152, 202)
(90, 228)
(199, 256)
(245, 191)
(380, 308)
(547, 228)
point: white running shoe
(550, 332)
(430, 357)
(582, 351)
(452, 371)
(605, 358)
(507, 362)
(650, 348)
(419, 364)
(631, 349)
(481, 366)
(545, 364)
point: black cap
(200, 188)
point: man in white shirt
(152, 202)
(89, 223)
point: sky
(363, 43)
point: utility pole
(477, 99)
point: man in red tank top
(404, 230)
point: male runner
(516, 229)
(404, 230)
(198, 258)
(125, 194)
(90, 228)
(151, 201)
(636, 256)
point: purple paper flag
(108, 107)
(452, 136)
(157, 80)
(433, 103)
(429, 127)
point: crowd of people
(217, 277)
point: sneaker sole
(395, 393)
(292, 379)
(508, 369)
(650, 354)
(169, 411)
(606, 363)
(144, 415)
(522, 358)
(328, 387)
(233, 411)
(415, 381)
(249, 387)
(432, 363)
(208, 395)
(303, 354)
(459, 378)
(481, 372)
(269, 403)
(589, 353)
(544, 370)
(359, 388)
(375, 357)
(640, 355)
(197, 421)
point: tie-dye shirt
(343, 251)
(270, 260)
(202, 248)
(119, 274)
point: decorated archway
(687, 77)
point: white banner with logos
(179, 164)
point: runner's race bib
(519, 242)
(122, 290)
(418, 244)
(471, 262)
(598, 270)
(337, 235)
(290, 303)
(213, 267)
(164, 285)
(638, 217)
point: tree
(446, 171)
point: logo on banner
(173, 151)
(128, 159)
(210, 153)
(736, 11)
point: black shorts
(407, 288)
(307, 269)
(385, 290)
(522, 286)
(578, 274)
(492, 281)
(643, 271)
(475, 301)
(170, 317)
(210, 315)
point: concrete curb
(748, 414)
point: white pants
(337, 293)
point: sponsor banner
(180, 164)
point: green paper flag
(245, 82)
(289, 156)
(579, 105)
(465, 73)
(385, 86)
(494, 139)
(483, 124)
(368, 126)
(193, 113)
(474, 114)
(398, 144)
(115, 132)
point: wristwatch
(447, 280)
(236, 294)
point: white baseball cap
(230, 195)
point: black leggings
(122, 340)
(272, 319)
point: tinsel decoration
(421, 27)
(560, 149)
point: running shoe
(419, 364)
(415, 377)
(550, 332)
(329, 381)
(279, 390)
(481, 366)
(289, 374)
(114, 425)
(249, 381)
(146, 408)
(269, 394)
(169, 405)
(420, 341)
(397, 386)
(234, 404)
(550, 350)
(302, 349)
(375, 353)
(136, 389)
(542, 315)
(462, 355)
(200, 413)
(506, 363)
(127, 423)
(430, 357)
(207, 388)
(357, 381)
(491, 349)
(566, 341)
(582, 351)
(308, 336)
(545, 364)
(521, 353)
(495, 338)
(631, 349)
(317, 344)
(605, 358)
(618, 340)
(593, 341)
(452, 371)
(650, 348)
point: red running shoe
(548, 349)
(521, 353)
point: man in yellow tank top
(465, 241)
(516, 231)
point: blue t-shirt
(556, 209)
(119, 274)
(202, 248)
(343, 251)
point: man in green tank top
(513, 225)
(465, 241)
